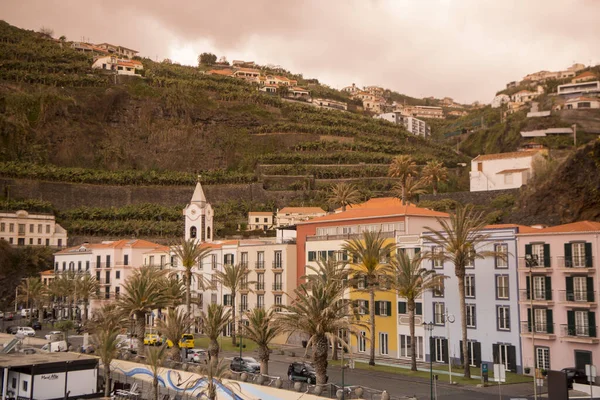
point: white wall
(80, 383)
(489, 179)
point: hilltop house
(291, 215)
(260, 220)
(22, 228)
(117, 50)
(329, 104)
(582, 103)
(502, 171)
(351, 89)
(577, 89)
(426, 112)
(584, 77)
(523, 96)
(248, 74)
(499, 100)
(118, 65)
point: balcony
(244, 264)
(277, 265)
(537, 267)
(405, 320)
(261, 306)
(543, 330)
(260, 286)
(244, 287)
(540, 297)
(579, 333)
(259, 265)
(348, 236)
(576, 263)
(243, 308)
(578, 298)
(103, 282)
(278, 287)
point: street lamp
(429, 328)
(450, 319)
(532, 261)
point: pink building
(558, 299)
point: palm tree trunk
(372, 317)
(233, 341)
(435, 188)
(188, 294)
(263, 356)
(334, 352)
(140, 328)
(106, 380)
(213, 350)
(403, 193)
(463, 317)
(411, 321)
(320, 358)
(155, 387)
(85, 312)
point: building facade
(199, 216)
(558, 276)
(502, 171)
(292, 215)
(259, 220)
(570, 90)
(22, 228)
(118, 65)
(413, 125)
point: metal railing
(575, 261)
(277, 265)
(538, 327)
(538, 295)
(259, 265)
(535, 264)
(278, 286)
(347, 236)
(577, 296)
(260, 286)
(568, 330)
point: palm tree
(370, 255)
(318, 311)
(190, 253)
(459, 240)
(433, 173)
(86, 287)
(106, 347)
(213, 323)
(174, 290)
(261, 330)
(215, 370)
(411, 282)
(155, 356)
(411, 188)
(142, 293)
(402, 167)
(32, 291)
(233, 277)
(343, 195)
(173, 327)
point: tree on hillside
(411, 189)
(46, 31)
(343, 195)
(207, 59)
(403, 167)
(433, 173)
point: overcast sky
(465, 49)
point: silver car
(196, 355)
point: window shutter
(376, 308)
(548, 287)
(417, 250)
(496, 353)
(477, 355)
(473, 280)
(588, 255)
(419, 308)
(495, 257)
(528, 285)
(569, 286)
(571, 322)
(549, 321)
(568, 255)
(432, 349)
(546, 255)
(512, 358)
(528, 249)
(389, 308)
(367, 309)
(590, 289)
(445, 350)
(462, 358)
(225, 299)
(592, 323)
(529, 320)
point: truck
(54, 347)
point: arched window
(71, 266)
(193, 232)
(208, 233)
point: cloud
(465, 49)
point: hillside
(62, 121)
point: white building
(413, 125)
(578, 89)
(199, 217)
(523, 96)
(499, 100)
(329, 104)
(291, 215)
(27, 229)
(579, 103)
(546, 132)
(502, 171)
(117, 50)
(260, 220)
(426, 112)
(118, 65)
(352, 89)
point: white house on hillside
(499, 100)
(502, 171)
(118, 65)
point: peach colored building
(558, 299)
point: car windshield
(249, 360)
(308, 367)
(187, 337)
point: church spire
(198, 196)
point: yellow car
(152, 339)
(186, 341)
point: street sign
(484, 368)
(499, 373)
(590, 371)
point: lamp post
(530, 262)
(450, 319)
(429, 328)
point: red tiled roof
(580, 226)
(522, 228)
(502, 156)
(585, 75)
(47, 272)
(301, 210)
(119, 244)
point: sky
(464, 49)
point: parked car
(26, 330)
(9, 316)
(48, 337)
(186, 342)
(302, 371)
(35, 324)
(196, 355)
(12, 330)
(575, 376)
(245, 364)
(152, 339)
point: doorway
(582, 358)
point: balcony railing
(538, 295)
(260, 265)
(103, 281)
(260, 286)
(278, 286)
(535, 264)
(244, 264)
(261, 306)
(347, 236)
(575, 262)
(539, 327)
(243, 308)
(577, 296)
(567, 330)
(277, 265)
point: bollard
(278, 383)
(339, 394)
(298, 386)
(359, 392)
(244, 377)
(385, 395)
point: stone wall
(476, 198)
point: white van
(25, 312)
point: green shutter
(549, 322)
(592, 323)
(569, 285)
(419, 308)
(376, 308)
(529, 320)
(571, 323)
(590, 289)
(528, 249)
(546, 255)
(367, 306)
(389, 308)
(401, 307)
(548, 287)
(528, 285)
(568, 255)
(588, 255)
